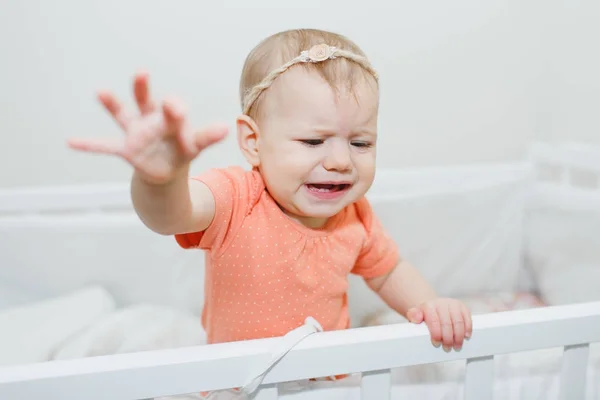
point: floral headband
(317, 53)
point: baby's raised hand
(449, 321)
(158, 142)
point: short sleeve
(235, 191)
(379, 254)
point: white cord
(288, 342)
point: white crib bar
(376, 385)
(228, 365)
(573, 375)
(479, 379)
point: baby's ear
(247, 135)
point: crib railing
(373, 351)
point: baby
(281, 237)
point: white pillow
(563, 243)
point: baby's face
(316, 146)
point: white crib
(370, 354)
(372, 351)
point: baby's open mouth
(327, 187)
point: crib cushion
(562, 229)
(463, 230)
(111, 248)
(12, 295)
(460, 226)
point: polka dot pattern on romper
(266, 272)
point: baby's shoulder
(232, 173)
(361, 211)
(234, 181)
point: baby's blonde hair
(275, 54)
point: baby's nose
(338, 159)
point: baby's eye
(312, 142)
(361, 144)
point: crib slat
(376, 385)
(573, 373)
(479, 379)
(267, 392)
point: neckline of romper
(327, 229)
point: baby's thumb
(415, 315)
(210, 135)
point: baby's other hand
(448, 320)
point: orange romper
(266, 273)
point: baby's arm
(180, 206)
(160, 144)
(402, 288)
(407, 292)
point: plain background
(461, 82)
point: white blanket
(137, 328)
(33, 332)
(87, 323)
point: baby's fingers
(415, 315)
(115, 108)
(468, 320)
(176, 124)
(191, 142)
(142, 93)
(447, 324)
(458, 324)
(432, 320)
(209, 136)
(101, 146)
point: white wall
(569, 95)
(462, 81)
